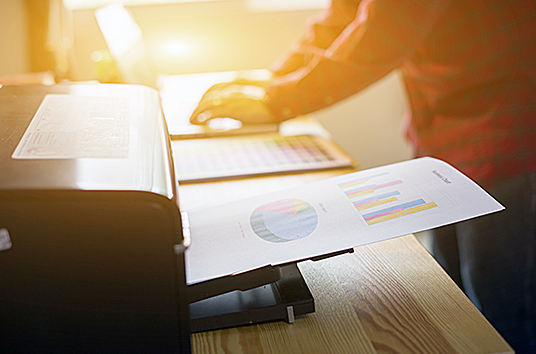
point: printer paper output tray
(265, 294)
(281, 300)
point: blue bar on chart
(398, 211)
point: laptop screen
(125, 42)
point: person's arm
(384, 33)
(228, 99)
(318, 35)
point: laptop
(179, 94)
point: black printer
(91, 242)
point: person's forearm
(318, 35)
(382, 35)
(322, 83)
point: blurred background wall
(14, 54)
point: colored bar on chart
(369, 189)
(362, 202)
(398, 211)
(376, 203)
(395, 208)
(359, 181)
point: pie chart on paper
(284, 220)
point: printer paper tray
(245, 280)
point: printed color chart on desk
(216, 158)
(380, 198)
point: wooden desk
(387, 297)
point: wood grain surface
(387, 297)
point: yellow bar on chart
(402, 213)
(379, 202)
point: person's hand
(242, 99)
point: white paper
(330, 215)
(71, 126)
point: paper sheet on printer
(330, 215)
(73, 126)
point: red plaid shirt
(469, 68)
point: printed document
(330, 215)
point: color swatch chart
(215, 158)
(380, 198)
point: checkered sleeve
(319, 34)
(381, 34)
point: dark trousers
(493, 259)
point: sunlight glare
(176, 48)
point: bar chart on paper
(380, 198)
